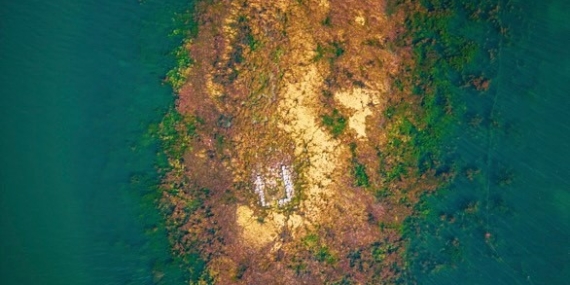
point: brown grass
(275, 96)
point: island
(305, 134)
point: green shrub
(361, 179)
(335, 122)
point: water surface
(509, 224)
(80, 82)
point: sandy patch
(324, 4)
(255, 232)
(360, 20)
(300, 120)
(260, 232)
(359, 101)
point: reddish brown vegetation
(257, 63)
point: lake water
(509, 224)
(80, 81)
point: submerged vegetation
(454, 45)
(177, 76)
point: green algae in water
(501, 220)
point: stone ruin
(274, 186)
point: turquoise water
(510, 223)
(80, 81)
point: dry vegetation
(303, 83)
